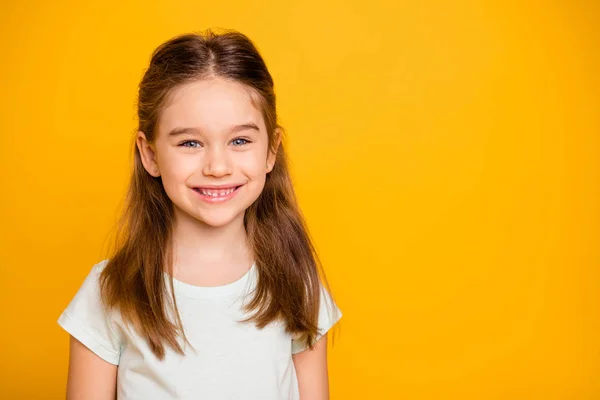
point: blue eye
(240, 141)
(184, 144)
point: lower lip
(217, 199)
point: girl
(213, 290)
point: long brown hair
(289, 272)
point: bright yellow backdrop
(446, 156)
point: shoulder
(86, 318)
(329, 311)
(89, 290)
(329, 314)
(99, 267)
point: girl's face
(211, 150)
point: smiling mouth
(221, 192)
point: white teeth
(215, 193)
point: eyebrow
(234, 129)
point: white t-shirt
(232, 360)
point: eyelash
(183, 144)
(244, 139)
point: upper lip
(218, 187)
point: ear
(148, 154)
(273, 154)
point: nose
(217, 162)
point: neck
(197, 245)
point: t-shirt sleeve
(329, 315)
(86, 319)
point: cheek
(253, 163)
(176, 169)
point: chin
(218, 221)
(211, 218)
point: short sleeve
(329, 315)
(86, 319)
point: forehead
(213, 105)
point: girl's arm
(90, 377)
(311, 370)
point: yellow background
(446, 155)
